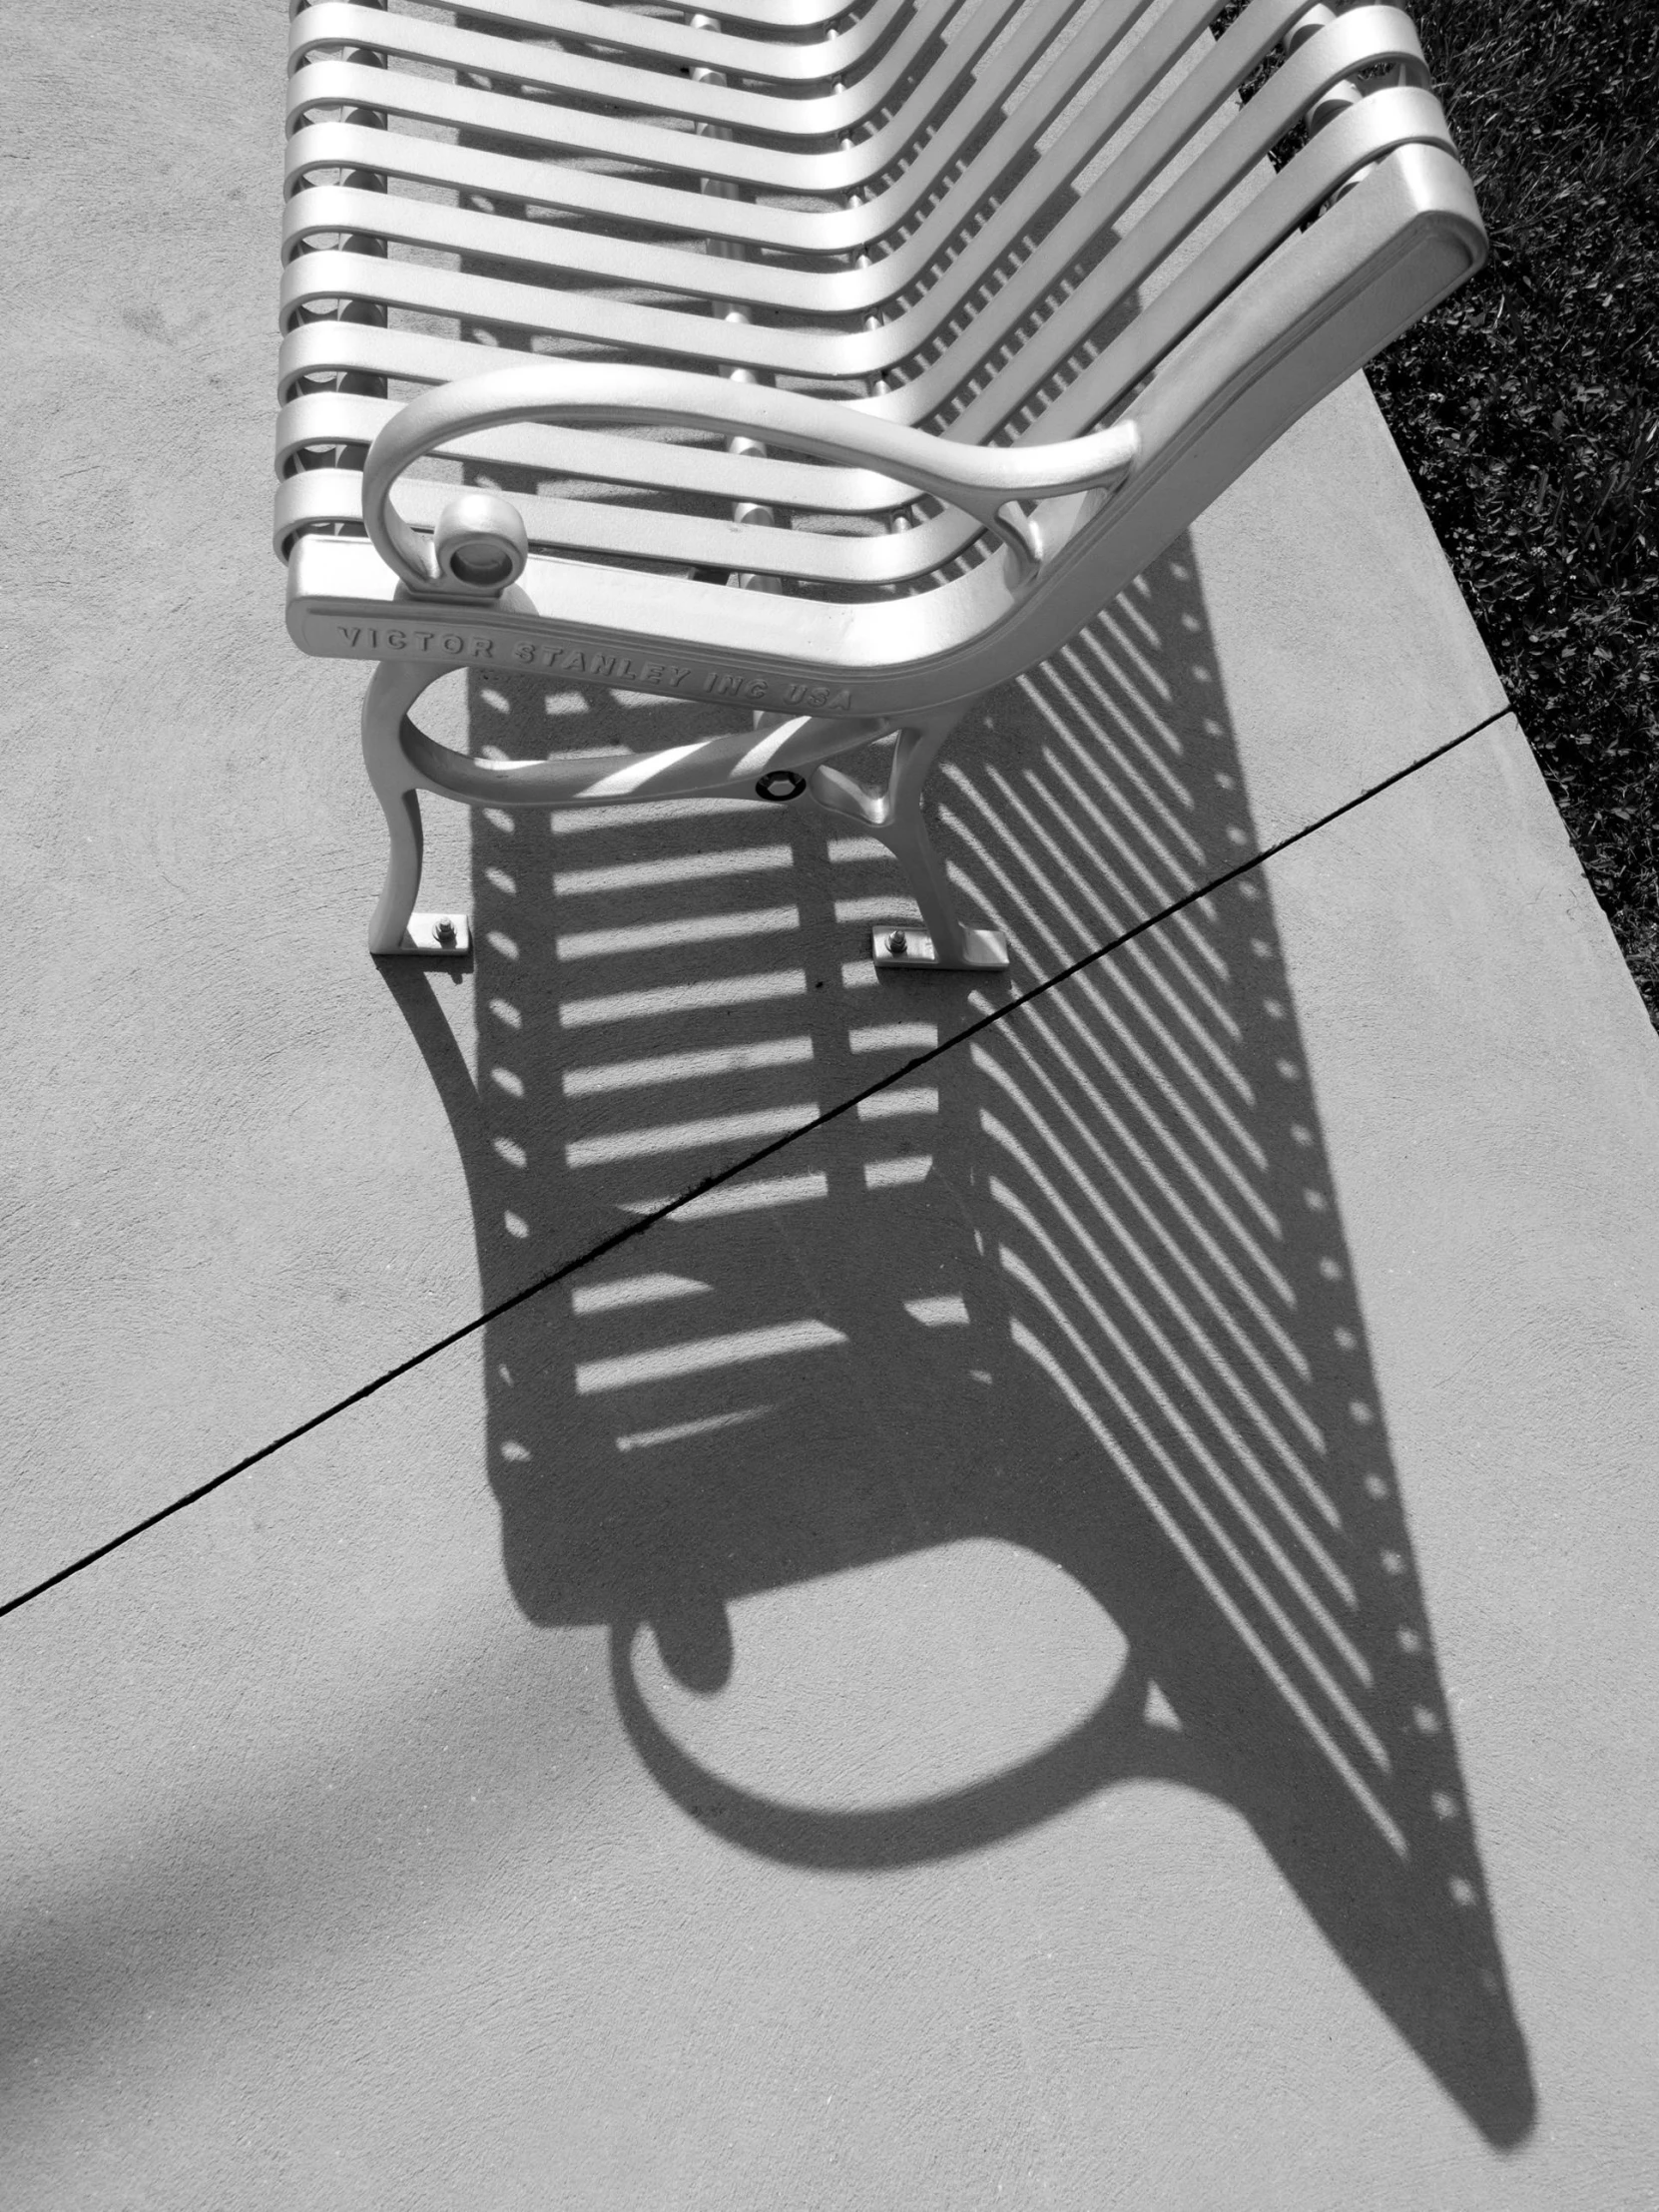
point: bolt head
(898, 942)
(780, 784)
(446, 933)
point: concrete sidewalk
(1077, 1635)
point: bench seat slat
(655, 535)
(872, 221)
(669, 91)
(818, 291)
(1364, 134)
(560, 132)
(764, 55)
(338, 418)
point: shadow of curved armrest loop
(1111, 1743)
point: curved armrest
(982, 480)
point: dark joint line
(750, 1160)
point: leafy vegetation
(1527, 410)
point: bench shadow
(1079, 1286)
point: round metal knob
(480, 544)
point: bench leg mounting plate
(435, 937)
(900, 946)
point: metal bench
(833, 358)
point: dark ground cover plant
(1527, 410)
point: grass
(1527, 410)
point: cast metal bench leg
(945, 941)
(396, 928)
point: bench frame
(1067, 525)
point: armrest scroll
(985, 481)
